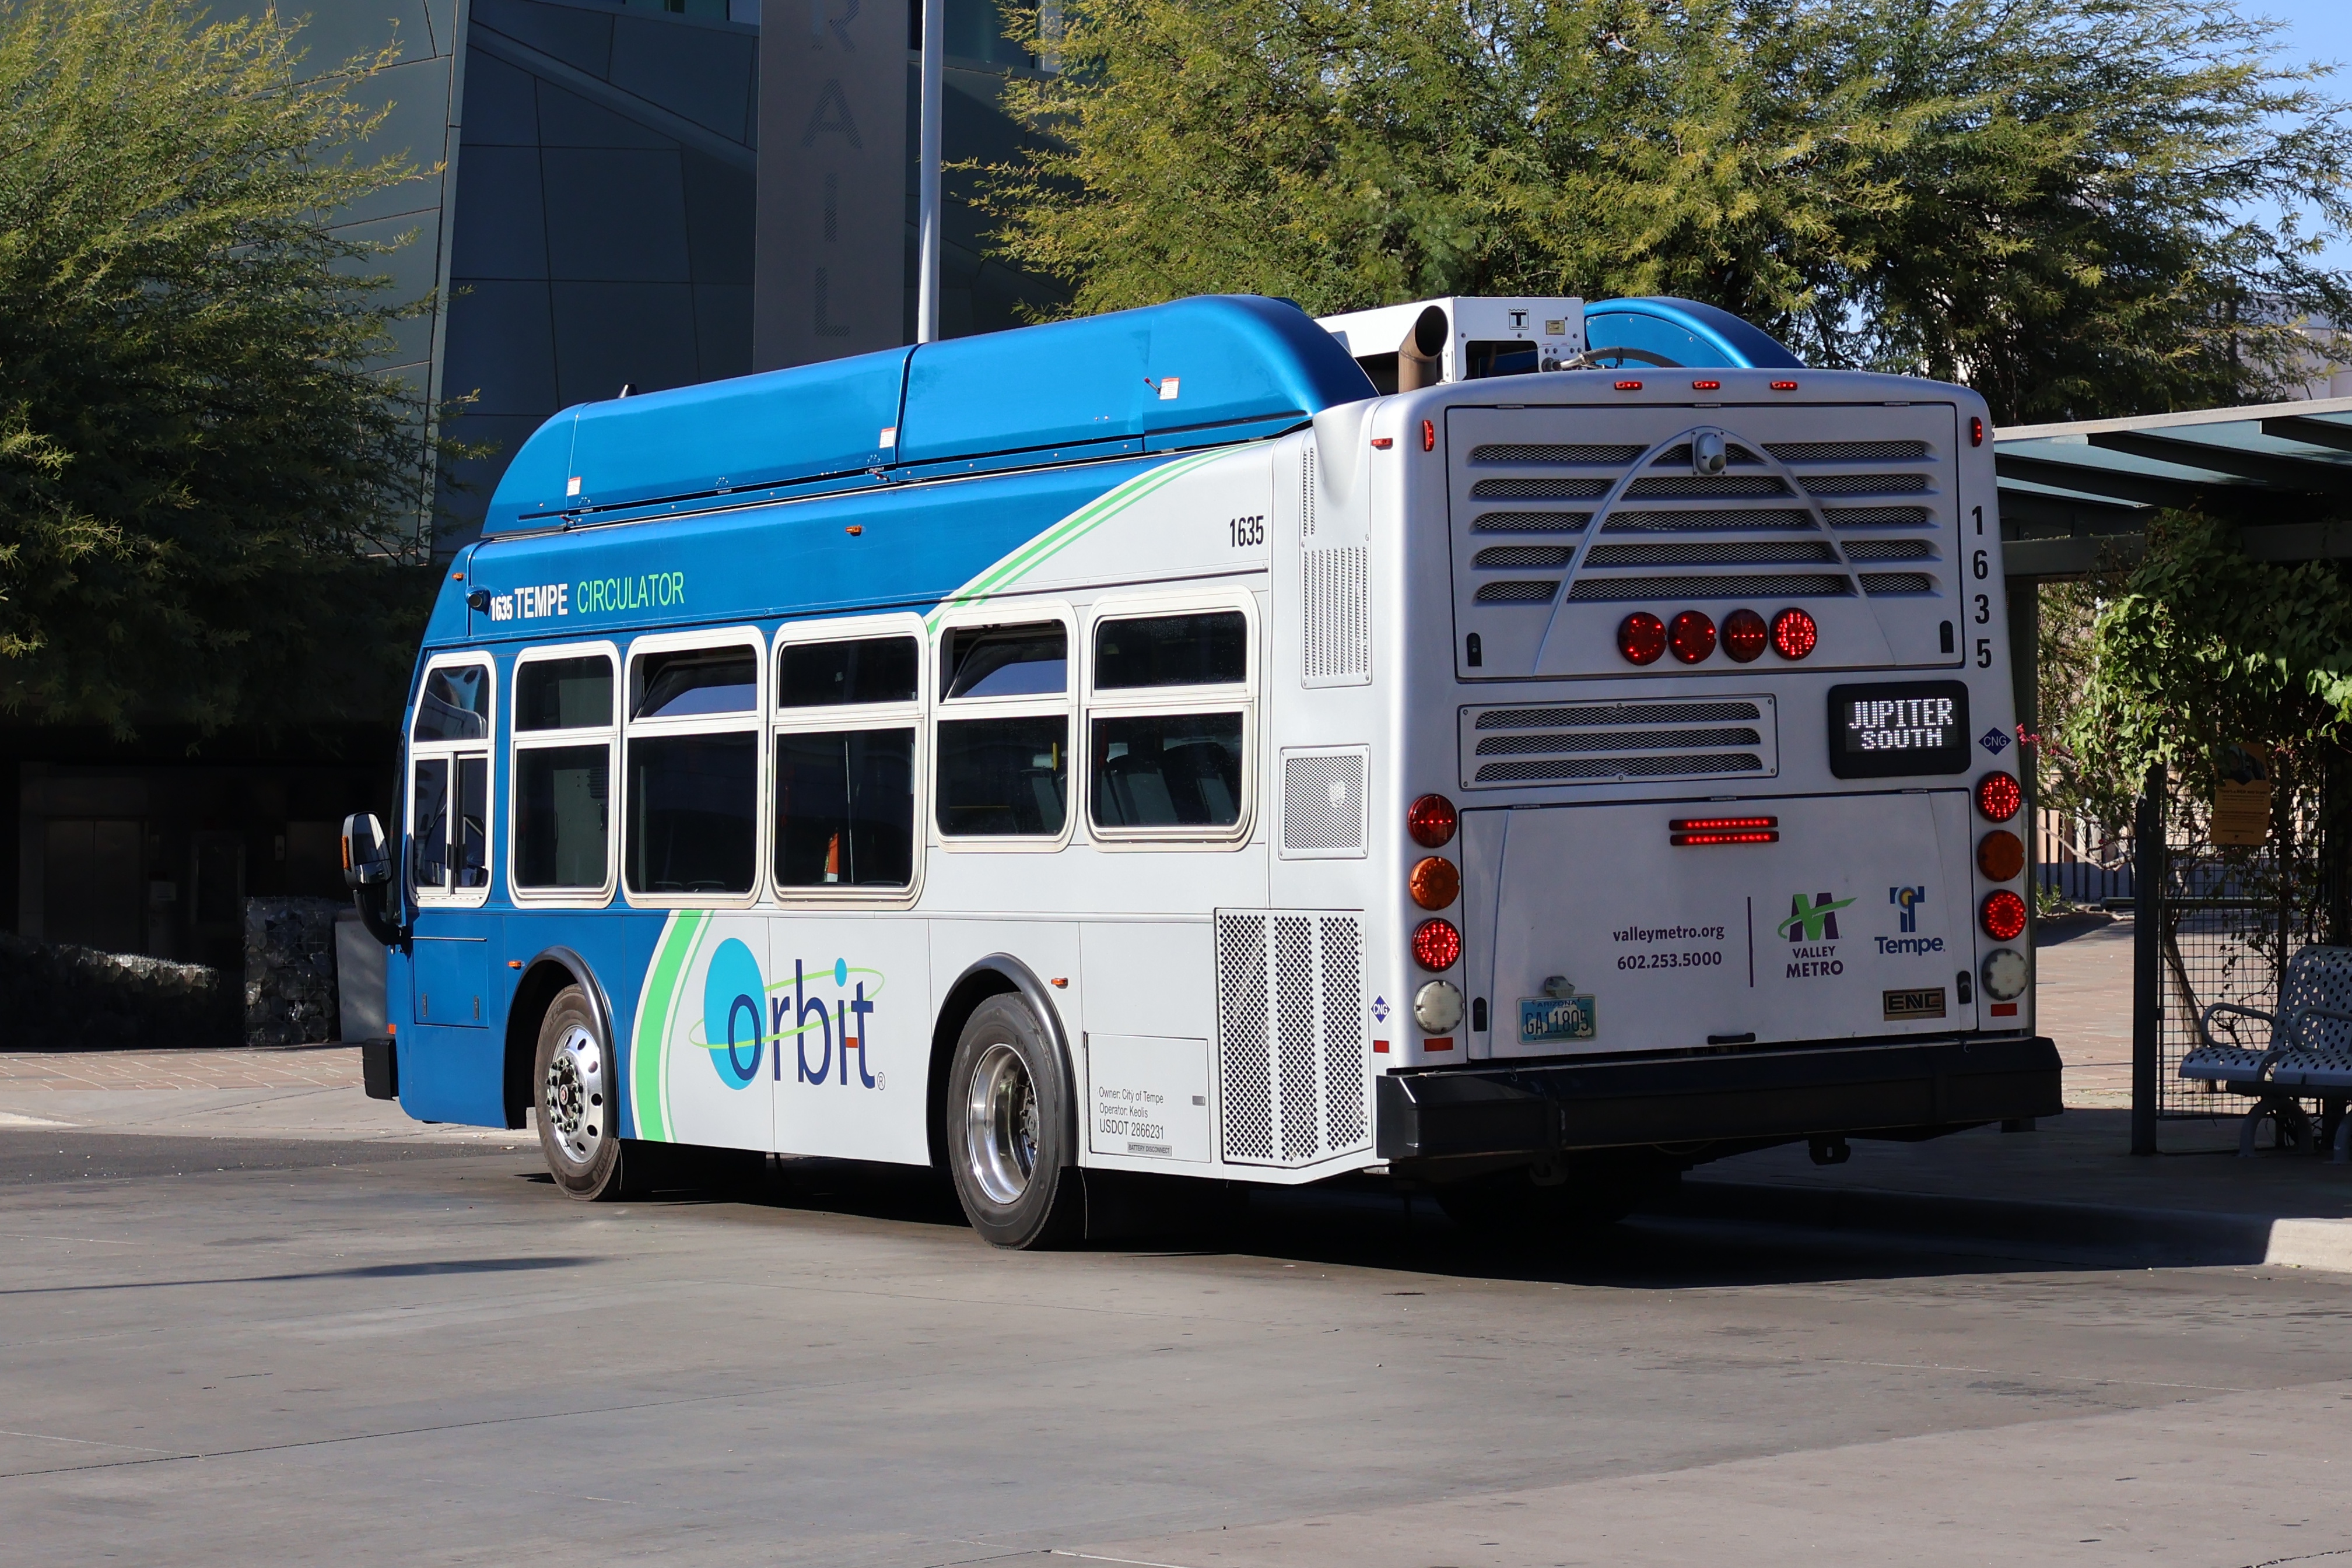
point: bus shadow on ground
(1360, 1223)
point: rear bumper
(1764, 1096)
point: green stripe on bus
(1077, 525)
(649, 1055)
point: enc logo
(1816, 923)
(1908, 900)
(737, 1031)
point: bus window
(1006, 775)
(454, 703)
(562, 773)
(844, 797)
(428, 797)
(449, 784)
(1007, 661)
(693, 774)
(1180, 768)
(471, 864)
(858, 670)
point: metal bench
(2309, 1055)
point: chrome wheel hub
(1000, 1125)
(573, 1096)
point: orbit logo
(742, 1025)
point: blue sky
(2317, 30)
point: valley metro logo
(1813, 923)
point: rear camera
(1692, 636)
(1640, 637)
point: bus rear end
(1713, 668)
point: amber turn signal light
(2000, 855)
(1435, 882)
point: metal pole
(926, 169)
(2147, 961)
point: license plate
(1543, 1018)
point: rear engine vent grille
(1596, 742)
(1323, 805)
(1523, 556)
(1897, 582)
(1795, 585)
(1620, 455)
(1873, 517)
(1865, 484)
(1680, 456)
(1538, 489)
(1847, 451)
(1530, 522)
(1752, 552)
(1516, 592)
(1707, 487)
(1794, 518)
(1889, 549)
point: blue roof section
(1684, 332)
(1192, 372)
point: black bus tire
(573, 1103)
(1006, 1130)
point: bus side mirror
(366, 862)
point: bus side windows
(845, 794)
(1173, 768)
(449, 783)
(1005, 775)
(563, 722)
(693, 779)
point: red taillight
(2000, 796)
(1428, 436)
(1744, 635)
(1692, 636)
(1629, 386)
(2004, 915)
(1784, 386)
(1976, 432)
(1383, 442)
(1640, 637)
(1707, 386)
(1724, 831)
(1794, 634)
(1435, 882)
(1430, 820)
(1437, 946)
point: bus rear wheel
(572, 1100)
(1007, 1128)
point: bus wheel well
(946, 1030)
(534, 993)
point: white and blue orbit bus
(1516, 748)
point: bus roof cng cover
(1683, 332)
(1193, 372)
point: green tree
(2079, 207)
(209, 503)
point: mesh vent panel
(1538, 489)
(1576, 741)
(1795, 517)
(1615, 712)
(1245, 1061)
(1846, 451)
(1876, 517)
(1290, 1014)
(1706, 487)
(1753, 552)
(1889, 549)
(1714, 766)
(1897, 582)
(1814, 585)
(1307, 494)
(1323, 802)
(1523, 556)
(1620, 454)
(1680, 456)
(1337, 632)
(1865, 484)
(1530, 522)
(1523, 592)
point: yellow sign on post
(2242, 805)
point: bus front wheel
(1007, 1127)
(572, 1100)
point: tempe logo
(1811, 932)
(743, 1026)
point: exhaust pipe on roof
(1420, 357)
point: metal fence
(2081, 861)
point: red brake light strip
(1725, 830)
